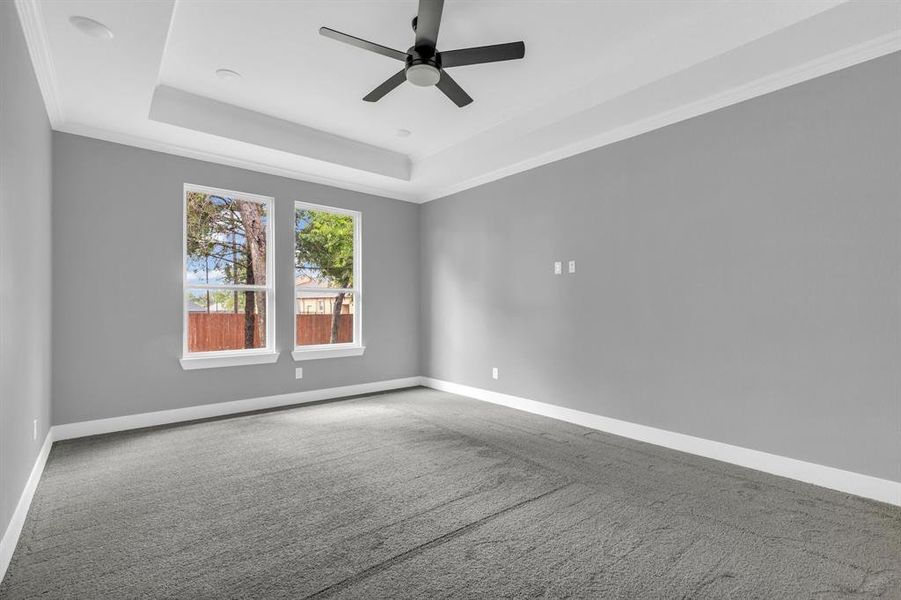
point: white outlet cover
(558, 268)
(298, 373)
(494, 373)
(572, 266)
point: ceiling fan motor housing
(423, 66)
(423, 63)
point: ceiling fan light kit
(423, 75)
(424, 64)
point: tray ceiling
(594, 73)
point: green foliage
(216, 238)
(325, 247)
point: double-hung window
(229, 288)
(327, 287)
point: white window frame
(230, 358)
(356, 347)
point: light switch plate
(572, 266)
(298, 373)
(558, 268)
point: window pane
(324, 249)
(324, 318)
(226, 240)
(225, 320)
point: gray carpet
(422, 494)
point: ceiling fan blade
(364, 44)
(390, 83)
(427, 22)
(483, 54)
(453, 90)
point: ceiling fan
(423, 64)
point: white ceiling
(594, 72)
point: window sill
(227, 360)
(320, 352)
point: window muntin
(228, 283)
(327, 293)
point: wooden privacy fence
(317, 329)
(209, 332)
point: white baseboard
(14, 529)
(204, 411)
(867, 486)
(845, 481)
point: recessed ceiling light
(404, 133)
(91, 27)
(227, 74)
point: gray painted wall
(25, 282)
(737, 276)
(117, 227)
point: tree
(325, 252)
(255, 235)
(228, 236)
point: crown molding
(231, 161)
(837, 61)
(39, 48)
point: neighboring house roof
(306, 280)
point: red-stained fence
(317, 329)
(208, 332)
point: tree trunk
(336, 317)
(250, 303)
(255, 236)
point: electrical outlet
(298, 373)
(494, 373)
(34, 429)
(558, 268)
(572, 266)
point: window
(228, 283)
(327, 295)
